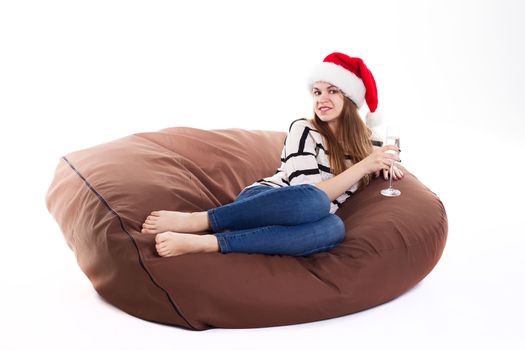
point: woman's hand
(380, 160)
(398, 173)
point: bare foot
(165, 220)
(175, 243)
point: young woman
(324, 161)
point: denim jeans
(291, 220)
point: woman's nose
(322, 97)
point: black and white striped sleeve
(300, 162)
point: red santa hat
(352, 76)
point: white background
(74, 74)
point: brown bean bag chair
(100, 197)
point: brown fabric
(100, 197)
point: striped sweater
(304, 161)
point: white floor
(73, 76)
(473, 299)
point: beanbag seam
(106, 204)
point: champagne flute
(392, 138)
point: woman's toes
(149, 229)
(166, 254)
(161, 251)
(160, 238)
(148, 223)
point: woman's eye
(332, 91)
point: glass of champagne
(392, 138)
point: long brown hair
(353, 138)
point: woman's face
(328, 102)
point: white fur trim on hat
(374, 119)
(351, 85)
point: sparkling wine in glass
(392, 138)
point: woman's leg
(263, 206)
(296, 240)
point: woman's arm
(335, 186)
(377, 160)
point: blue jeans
(291, 220)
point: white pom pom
(373, 120)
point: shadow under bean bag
(100, 196)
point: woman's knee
(330, 232)
(320, 201)
(337, 229)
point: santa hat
(351, 75)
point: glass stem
(391, 170)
